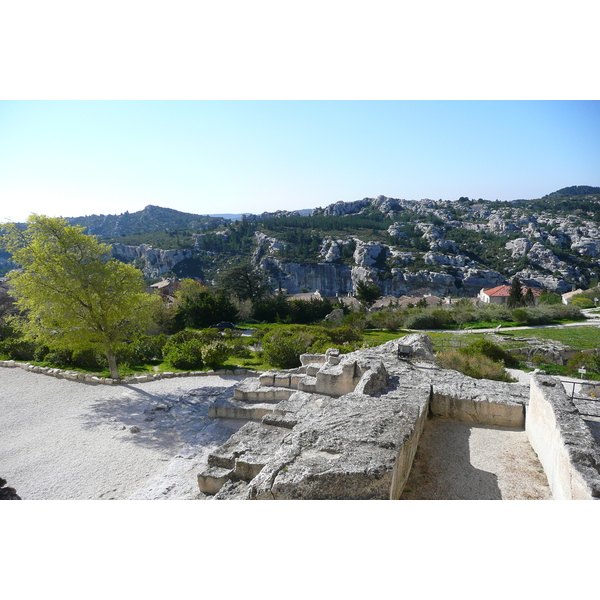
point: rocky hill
(406, 247)
(150, 219)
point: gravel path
(463, 461)
(63, 440)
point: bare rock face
(155, 262)
(587, 246)
(519, 247)
(367, 254)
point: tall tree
(198, 307)
(367, 293)
(245, 282)
(71, 293)
(515, 294)
(529, 298)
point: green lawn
(579, 338)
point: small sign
(582, 370)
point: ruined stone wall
(562, 441)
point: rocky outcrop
(154, 262)
(519, 247)
(336, 279)
(368, 254)
(355, 435)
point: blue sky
(69, 158)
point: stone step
(212, 479)
(269, 394)
(231, 408)
(308, 384)
(278, 420)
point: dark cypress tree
(515, 295)
(529, 298)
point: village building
(500, 294)
(568, 297)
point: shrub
(17, 349)
(185, 355)
(343, 334)
(88, 359)
(590, 361)
(490, 350)
(385, 319)
(357, 320)
(580, 302)
(521, 315)
(58, 358)
(282, 348)
(216, 353)
(427, 319)
(494, 312)
(477, 366)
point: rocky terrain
(406, 247)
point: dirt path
(463, 461)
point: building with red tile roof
(500, 293)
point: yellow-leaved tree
(72, 294)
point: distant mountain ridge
(406, 247)
(155, 218)
(150, 219)
(574, 190)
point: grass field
(579, 338)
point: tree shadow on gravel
(163, 421)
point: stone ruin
(348, 426)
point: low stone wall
(407, 452)
(484, 402)
(562, 441)
(88, 378)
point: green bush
(186, 355)
(282, 348)
(385, 319)
(492, 313)
(342, 334)
(590, 361)
(216, 354)
(427, 319)
(88, 359)
(17, 349)
(492, 351)
(58, 358)
(581, 302)
(477, 366)
(357, 320)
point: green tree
(515, 294)
(547, 297)
(367, 293)
(245, 282)
(198, 307)
(529, 298)
(71, 293)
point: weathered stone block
(212, 480)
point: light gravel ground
(463, 461)
(62, 440)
